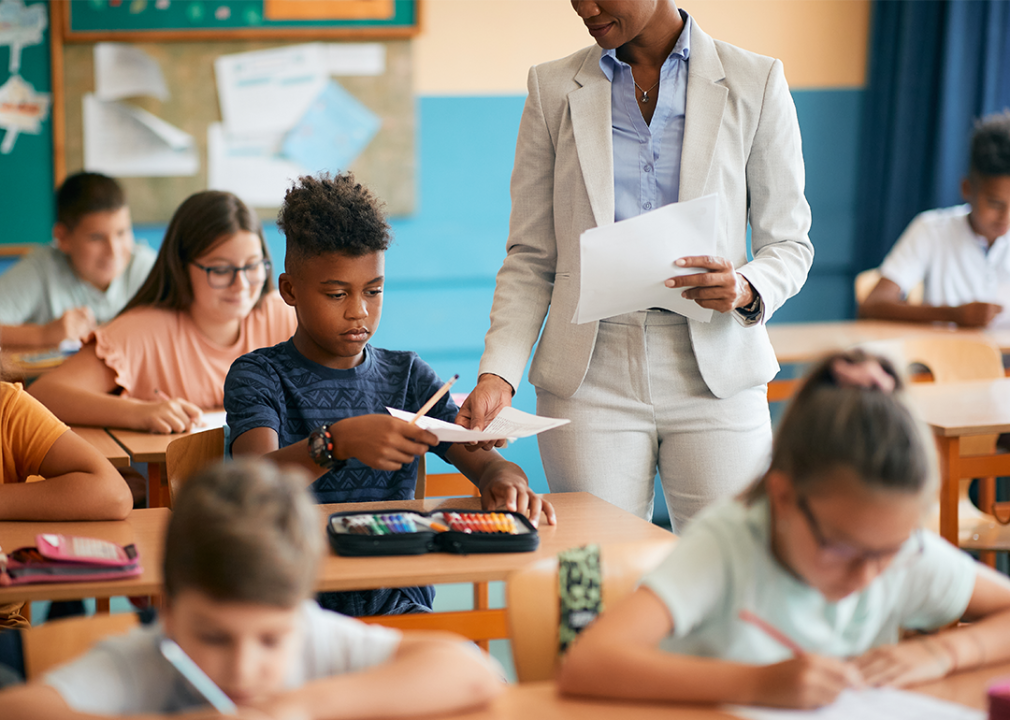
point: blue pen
(197, 678)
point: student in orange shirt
(208, 300)
(49, 473)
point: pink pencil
(771, 631)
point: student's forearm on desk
(262, 442)
(903, 312)
(29, 335)
(77, 406)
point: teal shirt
(43, 286)
(723, 564)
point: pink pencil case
(68, 558)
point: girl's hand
(167, 416)
(907, 663)
(806, 681)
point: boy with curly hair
(319, 399)
(962, 253)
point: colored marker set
(494, 522)
(405, 532)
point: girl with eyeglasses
(209, 299)
(811, 582)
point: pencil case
(68, 558)
(407, 532)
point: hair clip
(868, 374)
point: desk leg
(154, 485)
(950, 479)
(102, 606)
(166, 499)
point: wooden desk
(14, 370)
(151, 448)
(956, 410)
(101, 440)
(144, 528)
(582, 518)
(541, 700)
(807, 342)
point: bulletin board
(387, 165)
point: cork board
(387, 165)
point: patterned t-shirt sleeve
(424, 383)
(251, 396)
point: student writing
(62, 291)
(208, 300)
(319, 399)
(827, 548)
(961, 253)
(241, 556)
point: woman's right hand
(806, 681)
(482, 405)
(166, 415)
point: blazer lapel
(592, 128)
(706, 99)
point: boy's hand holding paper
(509, 424)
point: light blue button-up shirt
(647, 156)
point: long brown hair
(850, 414)
(203, 221)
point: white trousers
(644, 406)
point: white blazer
(741, 140)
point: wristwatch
(321, 449)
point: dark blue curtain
(934, 67)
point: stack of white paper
(509, 425)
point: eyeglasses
(838, 553)
(223, 276)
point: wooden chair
(533, 608)
(868, 279)
(189, 454)
(59, 641)
(480, 625)
(958, 359)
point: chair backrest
(189, 454)
(868, 279)
(442, 484)
(60, 641)
(533, 608)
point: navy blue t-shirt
(278, 388)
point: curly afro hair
(990, 146)
(332, 213)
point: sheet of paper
(268, 91)
(356, 58)
(22, 110)
(871, 704)
(509, 425)
(624, 265)
(212, 420)
(123, 70)
(250, 166)
(21, 26)
(124, 141)
(335, 129)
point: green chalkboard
(89, 18)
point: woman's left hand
(908, 663)
(720, 287)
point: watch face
(317, 443)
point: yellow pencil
(434, 399)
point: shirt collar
(681, 51)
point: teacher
(655, 113)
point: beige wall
(485, 47)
